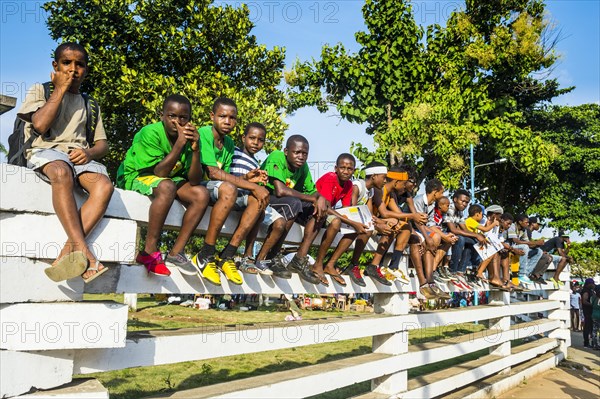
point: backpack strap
(48, 89)
(92, 111)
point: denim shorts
(42, 156)
(212, 186)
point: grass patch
(151, 315)
(154, 315)
(146, 381)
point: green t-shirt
(211, 155)
(150, 146)
(277, 168)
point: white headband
(376, 170)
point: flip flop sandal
(323, 279)
(97, 274)
(337, 278)
(500, 287)
(69, 266)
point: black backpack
(16, 141)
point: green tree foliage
(587, 258)
(568, 192)
(142, 51)
(427, 96)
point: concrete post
(502, 324)
(131, 301)
(563, 314)
(394, 344)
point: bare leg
(247, 221)
(62, 182)
(402, 238)
(100, 190)
(359, 246)
(560, 267)
(163, 197)
(311, 230)
(428, 258)
(440, 254)
(196, 200)
(494, 270)
(342, 246)
(220, 211)
(251, 237)
(382, 247)
(328, 237)
(417, 260)
(275, 238)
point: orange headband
(402, 176)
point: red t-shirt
(329, 187)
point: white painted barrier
(49, 334)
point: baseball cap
(494, 209)
(588, 280)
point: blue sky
(303, 27)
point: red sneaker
(154, 263)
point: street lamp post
(473, 167)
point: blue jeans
(461, 254)
(528, 263)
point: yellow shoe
(230, 271)
(387, 273)
(207, 269)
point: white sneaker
(399, 275)
(387, 273)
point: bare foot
(94, 267)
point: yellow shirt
(472, 225)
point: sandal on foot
(321, 277)
(501, 287)
(248, 268)
(69, 266)
(96, 269)
(337, 277)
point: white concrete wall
(52, 326)
(23, 280)
(22, 371)
(24, 192)
(113, 240)
(63, 338)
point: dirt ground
(578, 377)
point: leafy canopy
(142, 51)
(427, 96)
(587, 258)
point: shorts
(292, 208)
(212, 186)
(556, 258)
(41, 156)
(146, 184)
(421, 236)
(271, 215)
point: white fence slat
(78, 389)
(22, 371)
(23, 191)
(54, 326)
(24, 280)
(135, 279)
(113, 240)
